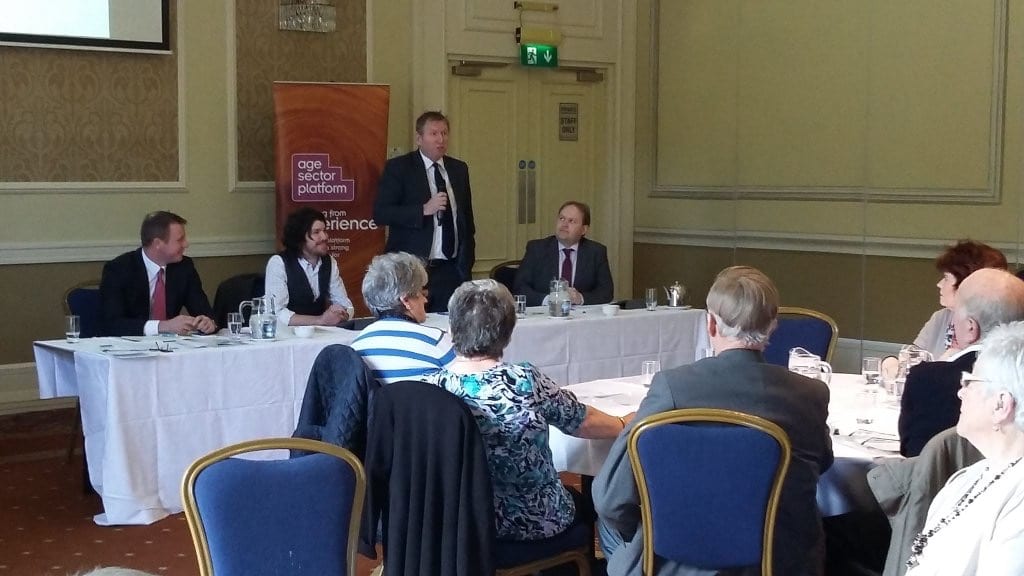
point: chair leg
(583, 566)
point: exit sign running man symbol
(538, 55)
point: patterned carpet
(46, 526)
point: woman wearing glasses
(976, 522)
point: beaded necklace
(921, 540)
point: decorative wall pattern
(266, 55)
(88, 116)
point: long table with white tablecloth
(147, 414)
(841, 489)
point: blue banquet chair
(232, 292)
(809, 329)
(505, 274)
(294, 517)
(83, 300)
(732, 466)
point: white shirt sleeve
(338, 295)
(151, 328)
(276, 285)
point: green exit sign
(538, 55)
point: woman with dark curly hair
(955, 263)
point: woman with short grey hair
(390, 278)
(398, 346)
(514, 404)
(975, 523)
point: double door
(533, 139)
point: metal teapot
(675, 294)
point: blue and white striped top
(397, 349)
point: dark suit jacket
(124, 293)
(540, 264)
(401, 194)
(734, 380)
(930, 403)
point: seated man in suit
(143, 291)
(742, 309)
(567, 255)
(304, 278)
(987, 298)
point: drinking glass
(235, 325)
(867, 405)
(72, 327)
(647, 371)
(520, 305)
(651, 298)
(871, 368)
(890, 368)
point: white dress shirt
(972, 348)
(561, 259)
(152, 327)
(435, 246)
(277, 286)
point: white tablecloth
(146, 418)
(588, 345)
(147, 415)
(841, 489)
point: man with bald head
(985, 299)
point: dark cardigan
(428, 481)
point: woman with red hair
(955, 263)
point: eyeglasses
(966, 379)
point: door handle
(521, 193)
(531, 192)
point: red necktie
(158, 307)
(567, 266)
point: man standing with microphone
(424, 199)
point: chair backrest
(84, 300)
(429, 483)
(232, 291)
(505, 273)
(297, 516)
(712, 504)
(808, 329)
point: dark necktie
(445, 217)
(567, 266)
(158, 307)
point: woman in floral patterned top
(513, 405)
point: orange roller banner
(330, 144)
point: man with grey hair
(398, 346)
(742, 309)
(987, 298)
